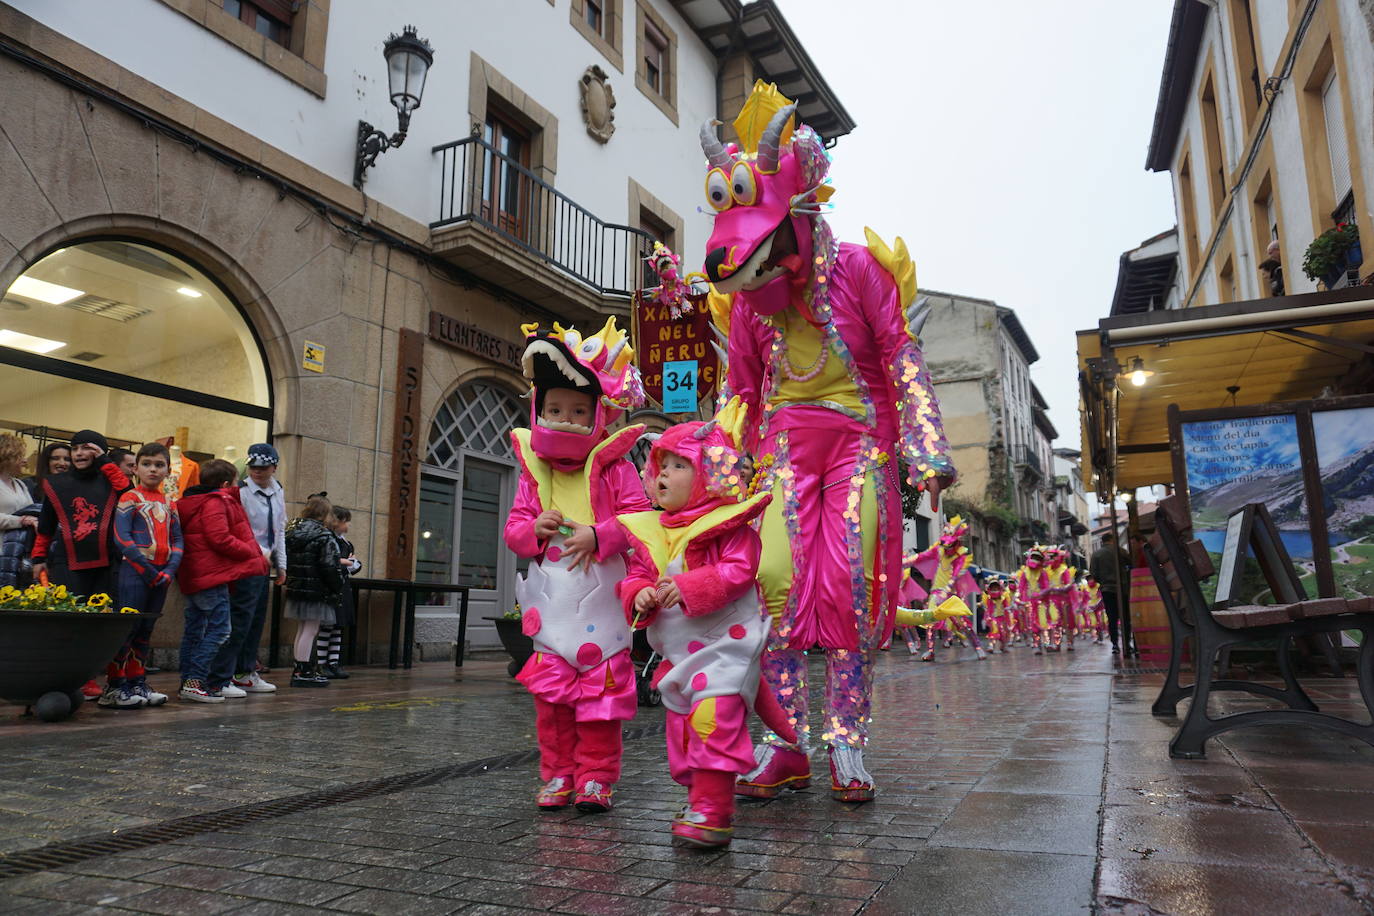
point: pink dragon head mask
(770, 243)
(601, 365)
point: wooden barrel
(1149, 619)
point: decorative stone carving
(598, 104)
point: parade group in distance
(765, 537)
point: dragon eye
(742, 186)
(718, 190)
(590, 347)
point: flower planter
(55, 652)
(513, 639)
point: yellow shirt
(571, 497)
(831, 387)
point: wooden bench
(1179, 563)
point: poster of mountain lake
(1345, 455)
(1243, 460)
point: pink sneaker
(778, 768)
(556, 793)
(594, 797)
(709, 831)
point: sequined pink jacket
(882, 358)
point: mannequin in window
(185, 473)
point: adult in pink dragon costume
(945, 565)
(574, 481)
(1063, 595)
(1033, 594)
(823, 351)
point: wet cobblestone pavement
(1022, 784)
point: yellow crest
(763, 102)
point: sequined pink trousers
(832, 491)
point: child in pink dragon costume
(692, 583)
(945, 565)
(998, 612)
(1092, 603)
(1063, 595)
(823, 351)
(574, 481)
(1032, 592)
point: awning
(1281, 349)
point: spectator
(314, 584)
(1110, 566)
(1272, 265)
(149, 536)
(124, 460)
(220, 550)
(18, 514)
(54, 458)
(329, 642)
(75, 545)
(235, 669)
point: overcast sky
(1005, 140)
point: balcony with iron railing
(1026, 458)
(501, 221)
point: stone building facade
(186, 257)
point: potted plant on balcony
(54, 642)
(1332, 253)
(509, 626)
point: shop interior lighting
(29, 342)
(43, 291)
(188, 292)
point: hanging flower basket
(53, 642)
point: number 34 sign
(675, 356)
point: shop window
(134, 342)
(656, 54)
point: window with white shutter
(1334, 116)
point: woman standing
(53, 459)
(16, 524)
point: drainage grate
(56, 855)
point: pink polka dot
(589, 653)
(737, 631)
(553, 553)
(530, 621)
(699, 681)
(695, 646)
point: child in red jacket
(220, 549)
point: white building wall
(1359, 92)
(1271, 28)
(531, 43)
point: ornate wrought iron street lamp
(408, 58)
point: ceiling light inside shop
(29, 342)
(187, 291)
(44, 291)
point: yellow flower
(8, 592)
(129, 610)
(99, 600)
(59, 592)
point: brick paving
(1022, 784)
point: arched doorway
(466, 489)
(136, 342)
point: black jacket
(313, 572)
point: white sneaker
(252, 684)
(152, 697)
(230, 692)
